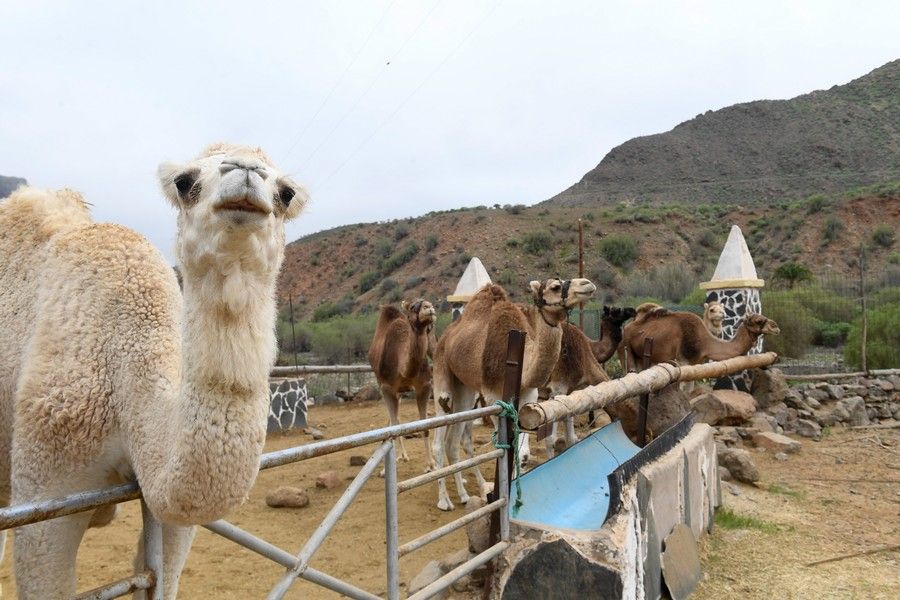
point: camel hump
(649, 310)
(485, 298)
(48, 210)
(389, 312)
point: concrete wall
(622, 559)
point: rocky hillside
(756, 152)
(8, 184)
(358, 267)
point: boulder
(856, 411)
(763, 422)
(856, 389)
(325, 399)
(820, 395)
(769, 387)
(314, 432)
(825, 419)
(724, 474)
(724, 407)
(287, 497)
(840, 413)
(809, 429)
(666, 408)
(357, 461)
(780, 413)
(367, 393)
(797, 402)
(451, 561)
(329, 480)
(479, 531)
(739, 464)
(835, 391)
(428, 575)
(776, 442)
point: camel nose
(237, 163)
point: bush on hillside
(883, 236)
(832, 230)
(792, 273)
(401, 232)
(671, 282)
(882, 339)
(537, 242)
(619, 250)
(515, 209)
(399, 258)
(431, 242)
(328, 310)
(368, 281)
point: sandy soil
(817, 514)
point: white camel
(107, 375)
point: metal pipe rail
(298, 566)
(317, 370)
(535, 414)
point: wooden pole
(535, 414)
(865, 316)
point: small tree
(792, 273)
(619, 250)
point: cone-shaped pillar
(473, 279)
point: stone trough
(594, 521)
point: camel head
(420, 313)
(759, 325)
(714, 312)
(617, 314)
(559, 295)
(232, 204)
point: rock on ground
(428, 575)
(724, 407)
(808, 428)
(776, 442)
(367, 393)
(739, 464)
(769, 387)
(478, 531)
(287, 497)
(328, 480)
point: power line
(340, 79)
(371, 84)
(410, 96)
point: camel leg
(451, 443)
(44, 557)
(469, 446)
(392, 399)
(550, 440)
(422, 395)
(571, 437)
(176, 544)
(438, 447)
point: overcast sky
(392, 108)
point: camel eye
(185, 181)
(285, 194)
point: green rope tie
(509, 411)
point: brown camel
(682, 336)
(471, 357)
(713, 313)
(401, 347)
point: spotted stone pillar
(287, 405)
(737, 302)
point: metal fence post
(392, 535)
(153, 552)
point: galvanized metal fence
(151, 578)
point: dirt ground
(815, 511)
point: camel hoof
(464, 499)
(381, 474)
(404, 458)
(445, 404)
(487, 488)
(445, 504)
(431, 467)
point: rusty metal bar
(414, 482)
(117, 589)
(290, 371)
(285, 559)
(450, 527)
(298, 453)
(645, 397)
(459, 572)
(329, 522)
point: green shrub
(328, 310)
(387, 285)
(401, 232)
(512, 243)
(515, 209)
(816, 203)
(706, 238)
(360, 241)
(894, 258)
(619, 250)
(383, 247)
(431, 242)
(412, 282)
(368, 281)
(343, 338)
(883, 236)
(537, 242)
(797, 324)
(882, 339)
(832, 230)
(888, 295)
(696, 298)
(825, 304)
(671, 282)
(831, 335)
(792, 273)
(399, 258)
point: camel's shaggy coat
(403, 342)
(106, 374)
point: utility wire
(340, 79)
(410, 96)
(371, 84)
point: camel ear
(292, 196)
(705, 305)
(167, 173)
(404, 304)
(535, 287)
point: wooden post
(515, 353)
(645, 398)
(865, 316)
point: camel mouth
(244, 205)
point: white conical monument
(473, 279)
(735, 286)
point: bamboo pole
(535, 414)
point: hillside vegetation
(9, 184)
(756, 152)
